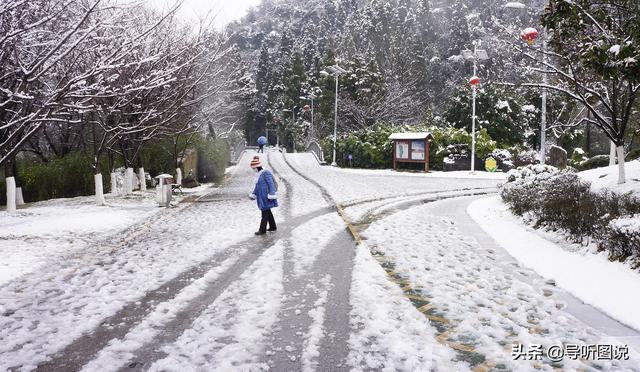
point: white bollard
(99, 189)
(114, 184)
(128, 181)
(133, 178)
(142, 179)
(19, 197)
(178, 176)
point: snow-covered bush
(578, 155)
(526, 158)
(560, 200)
(622, 239)
(504, 159)
(594, 162)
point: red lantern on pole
(529, 35)
(474, 81)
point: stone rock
(557, 157)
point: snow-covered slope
(607, 177)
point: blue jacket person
(265, 194)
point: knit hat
(255, 163)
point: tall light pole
(310, 97)
(530, 35)
(543, 109)
(477, 54)
(335, 71)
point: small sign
(417, 150)
(402, 150)
(491, 165)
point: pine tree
(459, 36)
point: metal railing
(236, 152)
(315, 148)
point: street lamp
(529, 35)
(477, 54)
(335, 71)
(310, 97)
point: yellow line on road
(405, 286)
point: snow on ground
(347, 185)
(230, 333)
(315, 333)
(119, 352)
(54, 305)
(47, 231)
(478, 175)
(607, 177)
(388, 333)
(309, 239)
(304, 197)
(483, 304)
(591, 277)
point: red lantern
(529, 35)
(474, 81)
(306, 108)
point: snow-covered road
(195, 290)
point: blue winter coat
(265, 191)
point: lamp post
(530, 35)
(335, 71)
(477, 54)
(310, 97)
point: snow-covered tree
(595, 59)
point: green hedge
(213, 159)
(560, 200)
(71, 176)
(371, 147)
(597, 161)
(65, 177)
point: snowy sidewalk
(589, 276)
(480, 300)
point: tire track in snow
(83, 349)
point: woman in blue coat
(265, 194)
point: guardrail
(236, 152)
(315, 148)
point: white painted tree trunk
(143, 180)
(622, 178)
(99, 188)
(114, 184)
(179, 176)
(128, 182)
(19, 197)
(134, 180)
(11, 194)
(612, 154)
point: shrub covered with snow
(560, 200)
(504, 159)
(525, 158)
(597, 161)
(622, 239)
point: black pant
(261, 148)
(267, 216)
